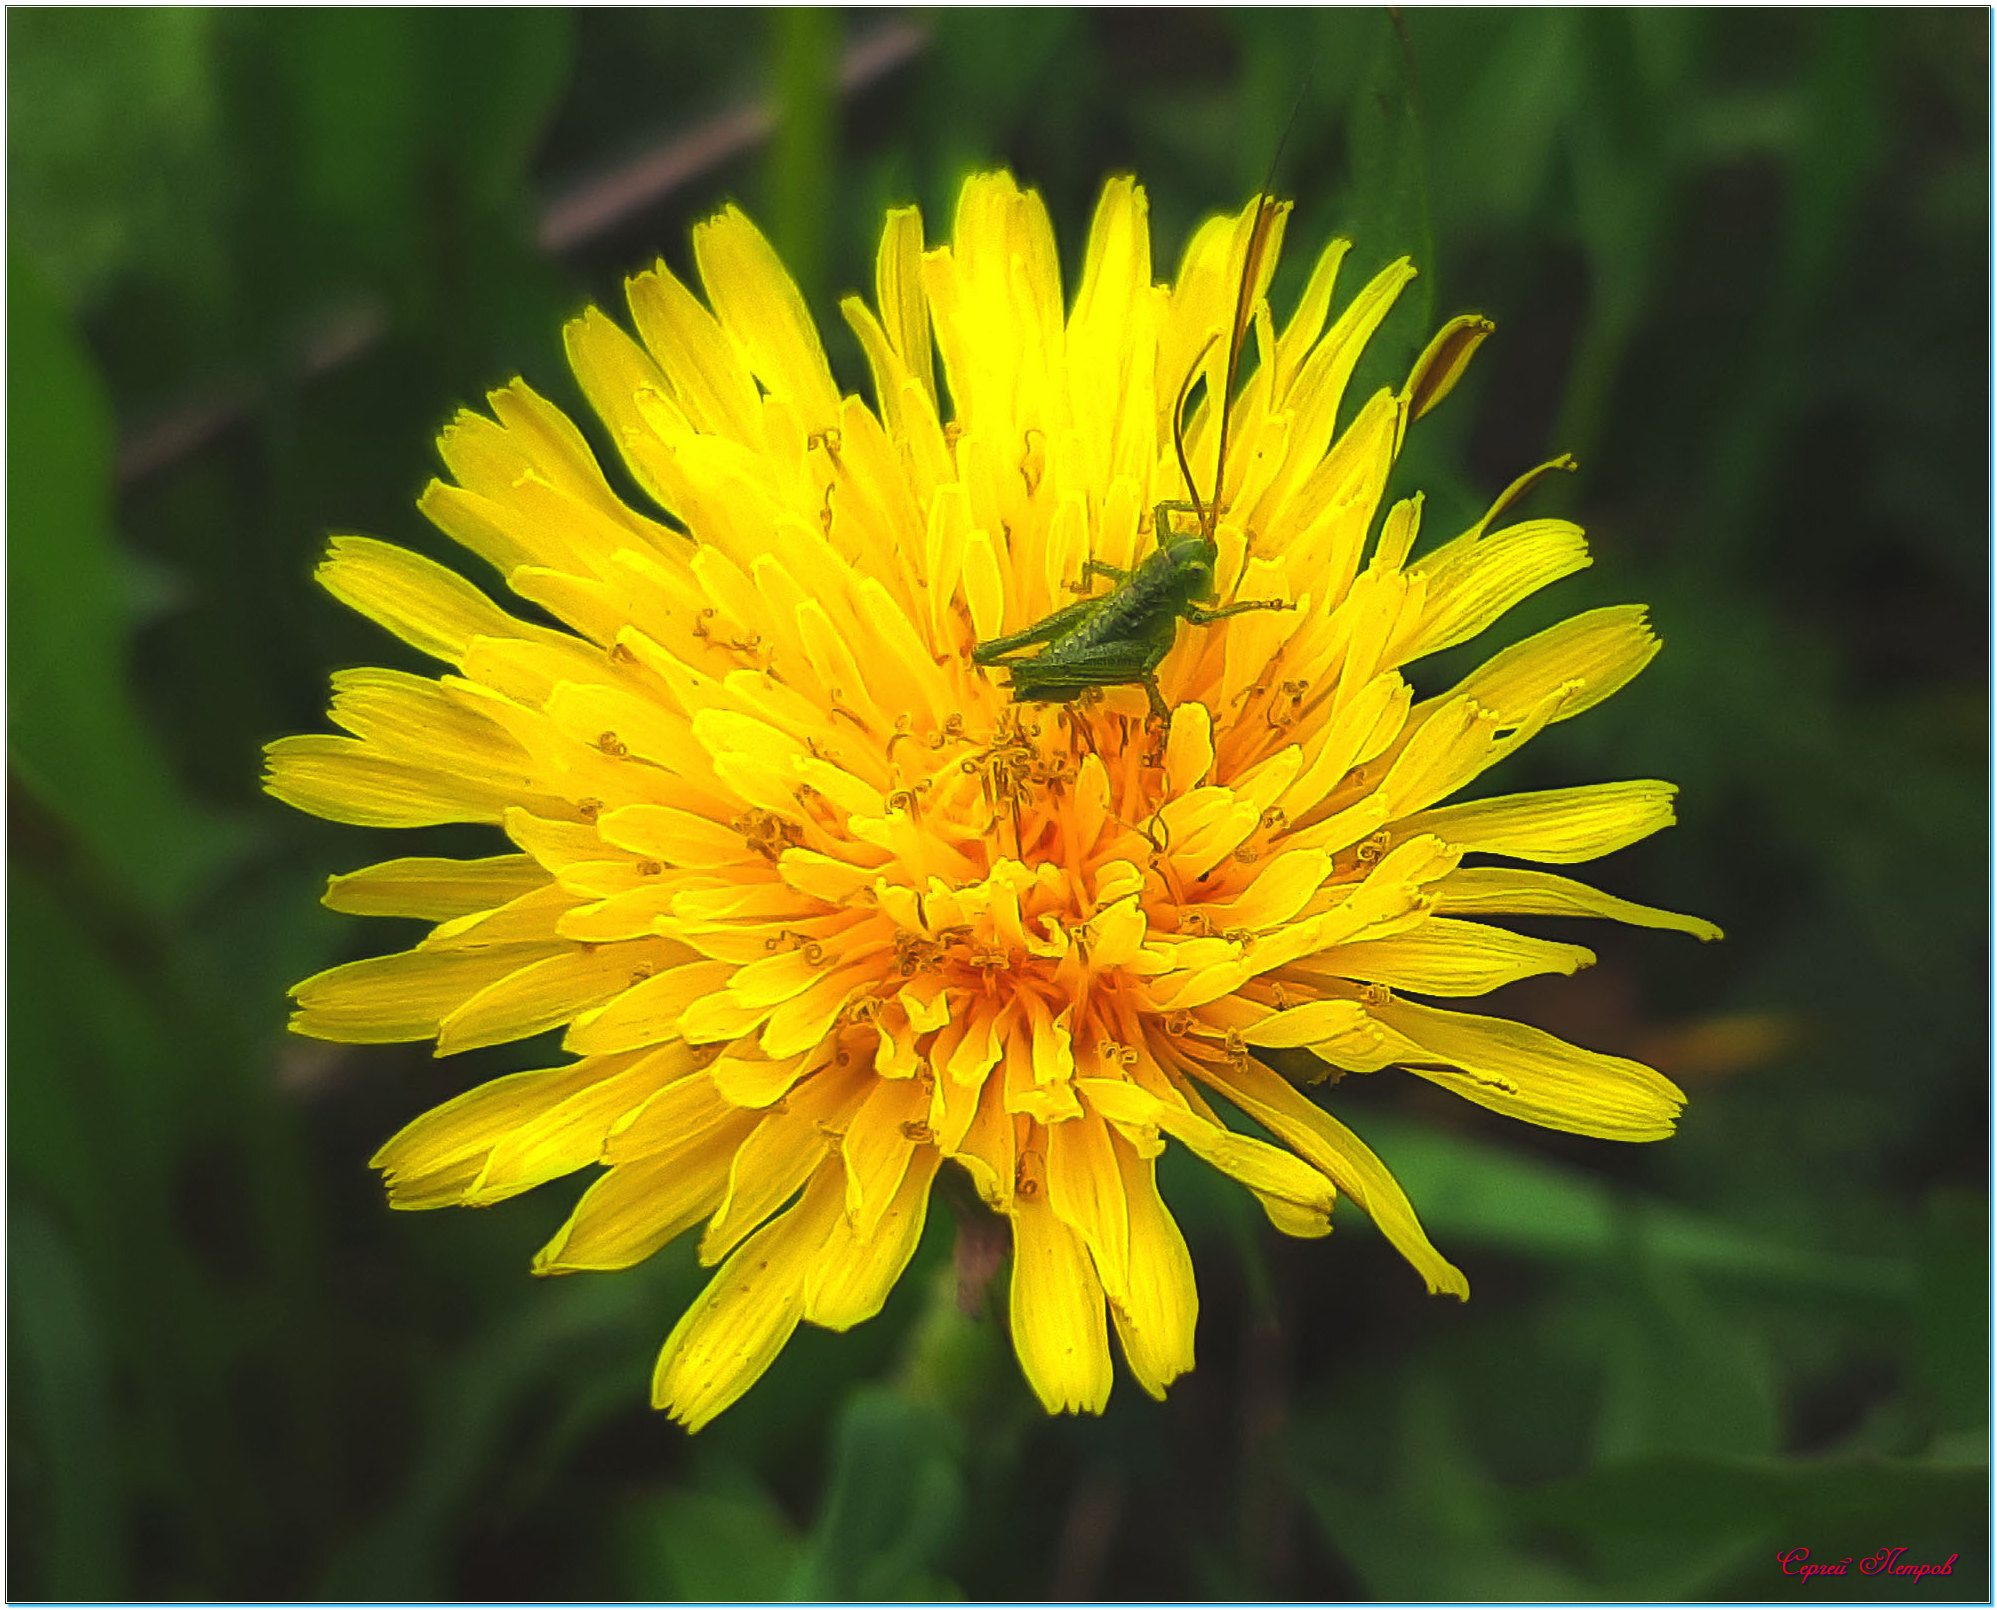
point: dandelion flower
(821, 909)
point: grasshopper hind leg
(1043, 631)
(1068, 692)
(1107, 665)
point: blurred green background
(1738, 265)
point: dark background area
(1738, 263)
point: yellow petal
(1347, 1161)
(737, 1326)
(404, 996)
(420, 601)
(784, 1150)
(1267, 1170)
(541, 996)
(1283, 885)
(1390, 899)
(1158, 1310)
(1310, 1024)
(347, 780)
(570, 1134)
(1292, 1219)
(984, 584)
(622, 724)
(1472, 583)
(1526, 1073)
(676, 837)
(706, 374)
(637, 1207)
(561, 456)
(898, 289)
(1307, 323)
(684, 1113)
(648, 1012)
(1556, 824)
(1366, 723)
(753, 1081)
(1583, 660)
(1118, 933)
(433, 887)
(877, 1147)
(803, 1020)
(631, 914)
(1263, 1168)
(614, 371)
(1517, 890)
(415, 718)
(1319, 388)
(1188, 749)
(1459, 741)
(530, 918)
(978, 1052)
(758, 304)
(1026, 1095)
(989, 1148)
(1058, 1328)
(552, 842)
(853, 1276)
(1444, 957)
(927, 1014)
(431, 1161)
(1085, 1190)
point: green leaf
(1504, 84)
(1952, 1310)
(64, 1406)
(494, 78)
(384, 98)
(1843, 139)
(1681, 1377)
(1439, 1530)
(74, 735)
(713, 1547)
(561, 1337)
(1734, 1515)
(893, 1503)
(804, 147)
(1389, 210)
(354, 83)
(1625, 193)
(112, 144)
(1469, 1191)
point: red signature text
(1887, 1562)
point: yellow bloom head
(823, 906)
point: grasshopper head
(1193, 558)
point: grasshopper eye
(1201, 575)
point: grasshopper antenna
(1179, 430)
(1267, 212)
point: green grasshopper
(1121, 638)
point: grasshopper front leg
(1241, 606)
(1161, 516)
(1097, 567)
